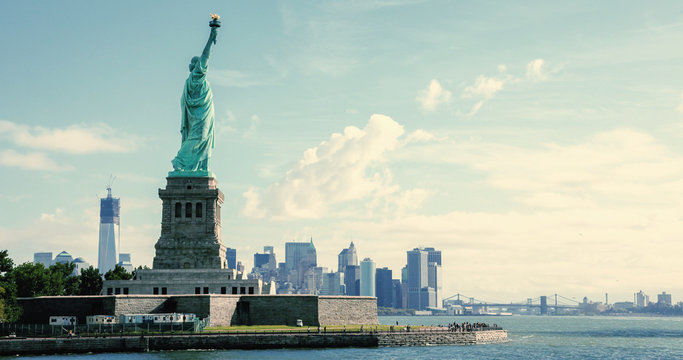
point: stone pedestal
(190, 225)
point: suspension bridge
(542, 302)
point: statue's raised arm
(207, 48)
(196, 127)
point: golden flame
(215, 16)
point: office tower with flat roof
(352, 280)
(299, 256)
(367, 277)
(109, 232)
(125, 262)
(231, 257)
(333, 284)
(433, 255)
(44, 258)
(418, 278)
(435, 281)
(384, 287)
(347, 257)
(664, 299)
(313, 280)
(397, 290)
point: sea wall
(244, 341)
(441, 338)
(10, 347)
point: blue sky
(541, 140)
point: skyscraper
(333, 284)
(44, 258)
(384, 287)
(347, 257)
(367, 277)
(433, 255)
(418, 278)
(299, 256)
(435, 281)
(125, 262)
(231, 256)
(109, 232)
(352, 280)
(265, 264)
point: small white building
(63, 320)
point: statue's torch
(214, 23)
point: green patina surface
(197, 125)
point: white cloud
(502, 68)
(535, 70)
(680, 106)
(344, 168)
(55, 217)
(75, 139)
(434, 95)
(484, 88)
(30, 161)
(420, 135)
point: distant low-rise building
(80, 265)
(622, 305)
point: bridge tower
(544, 305)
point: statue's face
(193, 62)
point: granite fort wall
(280, 309)
(347, 310)
(222, 310)
(38, 310)
(139, 305)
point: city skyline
(540, 140)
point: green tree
(118, 273)
(31, 280)
(9, 310)
(61, 280)
(91, 282)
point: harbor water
(530, 337)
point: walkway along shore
(208, 341)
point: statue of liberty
(197, 126)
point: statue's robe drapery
(197, 122)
